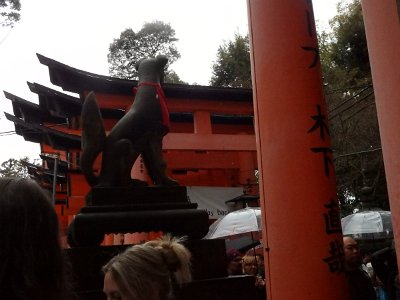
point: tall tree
(232, 67)
(351, 108)
(9, 12)
(14, 168)
(153, 39)
(344, 51)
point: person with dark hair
(147, 271)
(32, 264)
(384, 263)
(234, 262)
(360, 283)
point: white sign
(212, 199)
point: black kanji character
(327, 160)
(309, 24)
(332, 218)
(316, 55)
(319, 123)
(336, 258)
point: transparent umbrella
(242, 221)
(371, 224)
(239, 224)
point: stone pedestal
(139, 209)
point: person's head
(258, 254)
(260, 262)
(234, 260)
(31, 258)
(250, 264)
(146, 271)
(352, 255)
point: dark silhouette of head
(32, 264)
(352, 255)
(234, 260)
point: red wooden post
(382, 28)
(302, 232)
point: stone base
(139, 209)
(88, 228)
(99, 196)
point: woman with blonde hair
(147, 271)
(254, 265)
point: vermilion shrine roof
(77, 81)
(56, 107)
(45, 135)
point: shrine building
(211, 146)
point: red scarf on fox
(161, 98)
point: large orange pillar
(302, 232)
(382, 28)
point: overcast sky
(79, 32)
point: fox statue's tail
(93, 137)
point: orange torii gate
(382, 28)
(302, 237)
(296, 187)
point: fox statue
(139, 131)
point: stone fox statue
(140, 131)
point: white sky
(79, 32)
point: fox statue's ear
(138, 64)
(162, 60)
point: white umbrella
(375, 224)
(241, 221)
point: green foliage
(352, 115)
(9, 12)
(14, 168)
(344, 51)
(155, 38)
(172, 77)
(232, 68)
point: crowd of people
(250, 263)
(33, 265)
(371, 276)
